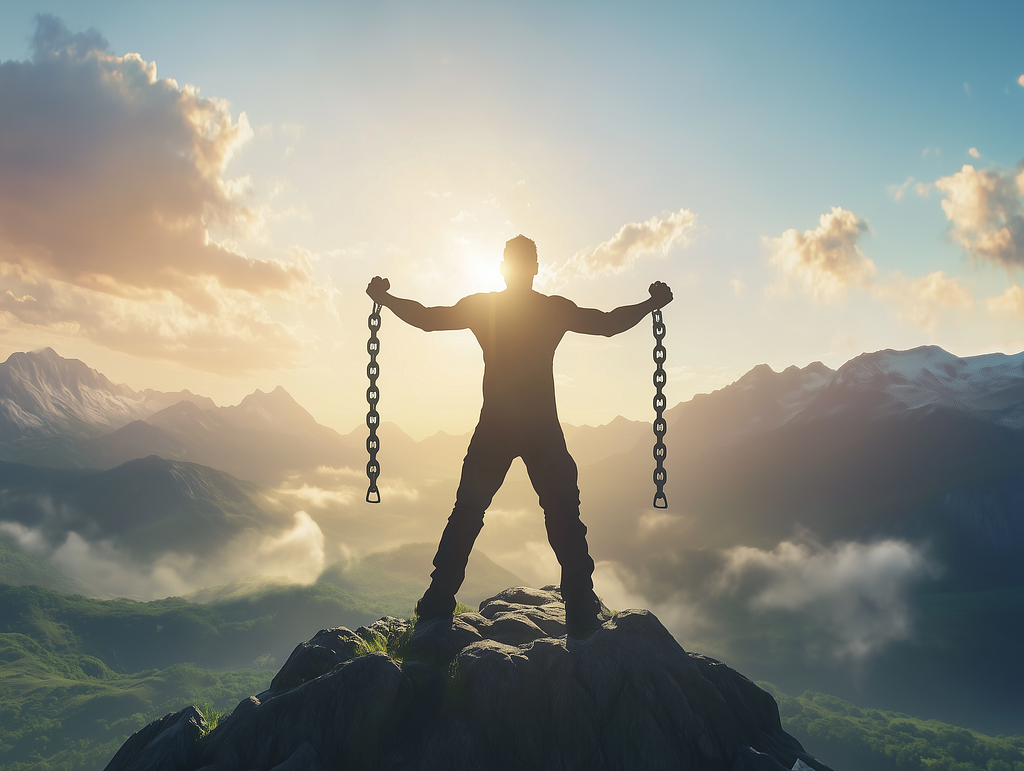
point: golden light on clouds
(985, 209)
(111, 187)
(826, 261)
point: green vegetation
(78, 675)
(131, 636)
(19, 568)
(70, 712)
(853, 739)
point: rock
(164, 745)
(309, 660)
(500, 689)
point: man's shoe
(431, 606)
(583, 617)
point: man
(518, 330)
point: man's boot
(435, 604)
(583, 615)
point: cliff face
(499, 689)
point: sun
(483, 273)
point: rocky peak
(42, 391)
(503, 688)
(274, 411)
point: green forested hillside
(78, 675)
(18, 568)
(854, 739)
(71, 712)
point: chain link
(660, 424)
(372, 397)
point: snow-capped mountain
(888, 383)
(988, 387)
(44, 393)
(61, 412)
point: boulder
(500, 689)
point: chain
(372, 397)
(660, 426)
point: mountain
(44, 393)
(60, 412)
(395, 579)
(21, 568)
(857, 531)
(150, 515)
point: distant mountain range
(917, 444)
(920, 449)
(60, 412)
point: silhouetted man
(518, 330)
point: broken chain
(660, 425)
(372, 397)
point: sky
(195, 195)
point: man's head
(519, 265)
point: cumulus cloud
(1021, 80)
(973, 152)
(826, 261)
(858, 591)
(113, 188)
(634, 240)
(985, 209)
(1009, 303)
(922, 300)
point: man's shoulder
(478, 299)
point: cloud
(922, 300)
(295, 553)
(973, 152)
(633, 241)
(235, 334)
(1021, 80)
(113, 187)
(825, 261)
(1009, 303)
(857, 591)
(898, 191)
(984, 208)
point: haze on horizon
(197, 199)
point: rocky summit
(504, 688)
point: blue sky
(412, 140)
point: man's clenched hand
(378, 289)
(660, 293)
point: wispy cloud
(1009, 303)
(922, 300)
(824, 262)
(857, 591)
(898, 191)
(655, 236)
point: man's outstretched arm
(412, 312)
(589, 321)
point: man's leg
(487, 461)
(554, 476)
